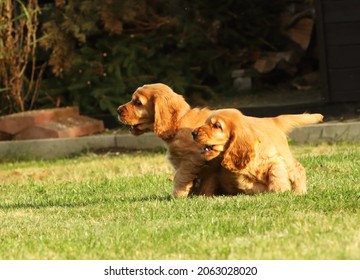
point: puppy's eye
(217, 125)
(137, 102)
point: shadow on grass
(48, 204)
(147, 198)
(39, 205)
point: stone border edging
(327, 132)
(62, 147)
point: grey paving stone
(327, 132)
(54, 148)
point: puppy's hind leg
(209, 185)
(279, 178)
(298, 178)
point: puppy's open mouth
(140, 128)
(207, 148)
(135, 127)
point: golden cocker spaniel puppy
(254, 152)
(156, 107)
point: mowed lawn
(119, 206)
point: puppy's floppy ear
(169, 108)
(240, 151)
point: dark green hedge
(98, 52)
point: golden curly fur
(254, 152)
(156, 107)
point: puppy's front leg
(182, 184)
(183, 179)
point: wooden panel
(344, 80)
(341, 11)
(344, 57)
(343, 33)
(326, 1)
(338, 31)
(345, 96)
(322, 50)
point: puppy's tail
(288, 122)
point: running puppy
(156, 107)
(253, 152)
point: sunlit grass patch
(120, 207)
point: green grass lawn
(119, 207)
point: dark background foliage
(95, 53)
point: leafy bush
(100, 51)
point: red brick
(63, 128)
(14, 123)
(4, 136)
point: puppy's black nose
(119, 111)
(194, 134)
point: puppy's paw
(180, 193)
